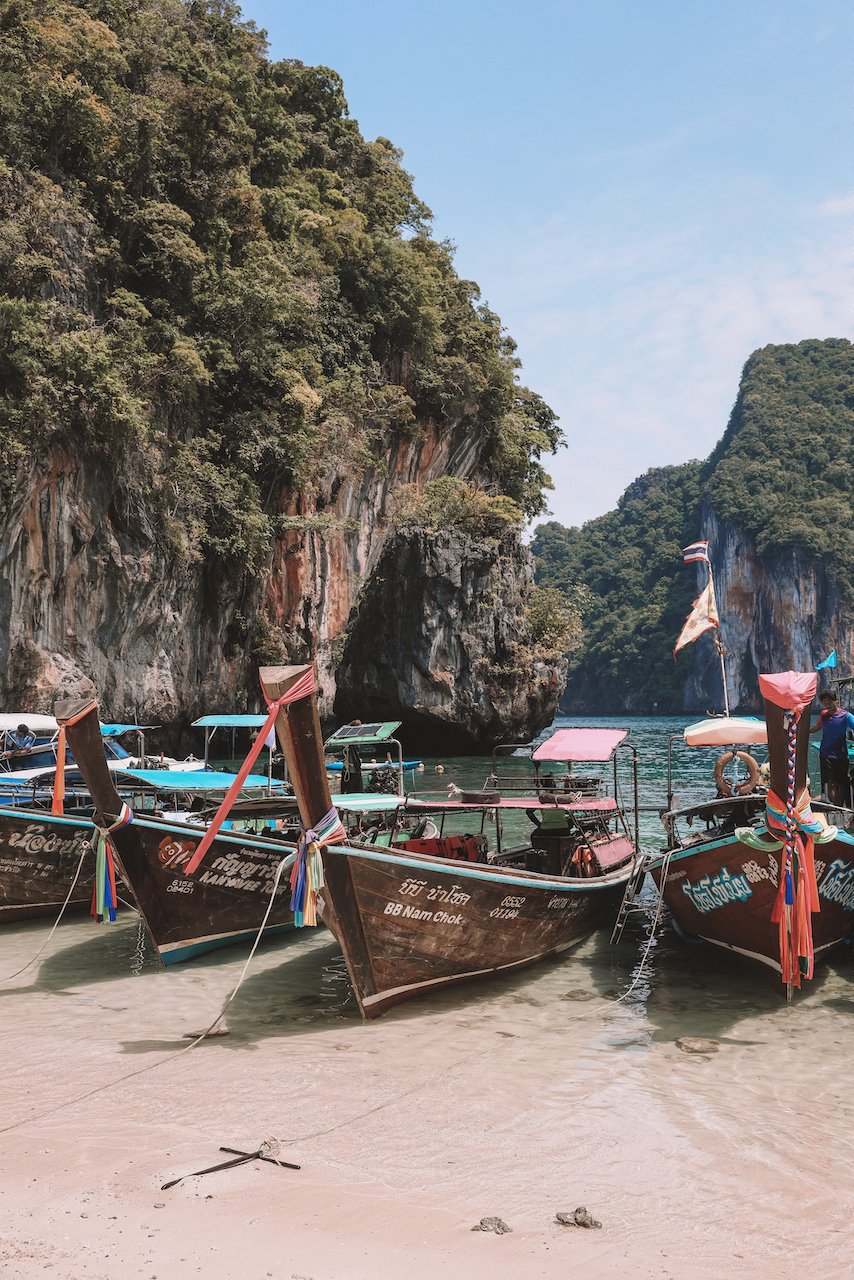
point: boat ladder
(631, 902)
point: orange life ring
(743, 788)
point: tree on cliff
(208, 276)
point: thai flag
(696, 551)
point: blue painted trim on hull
(35, 815)
(229, 837)
(843, 837)
(178, 955)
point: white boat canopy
(726, 731)
(36, 724)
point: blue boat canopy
(192, 780)
(116, 730)
(229, 722)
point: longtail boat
(40, 854)
(767, 878)
(409, 922)
(185, 914)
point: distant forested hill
(783, 473)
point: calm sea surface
(741, 1153)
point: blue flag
(830, 661)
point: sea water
(668, 1088)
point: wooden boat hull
(221, 904)
(39, 854)
(723, 892)
(408, 924)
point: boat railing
(825, 806)
(717, 802)
(718, 808)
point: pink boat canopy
(792, 690)
(580, 744)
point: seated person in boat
(835, 725)
(549, 818)
(21, 741)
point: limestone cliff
(92, 601)
(440, 637)
(781, 610)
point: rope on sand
(170, 1057)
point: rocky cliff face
(93, 601)
(780, 612)
(440, 639)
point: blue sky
(645, 192)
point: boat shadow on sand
(83, 953)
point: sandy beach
(516, 1099)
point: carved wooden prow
(83, 734)
(300, 737)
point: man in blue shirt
(835, 725)
(18, 744)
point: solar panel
(357, 731)
(362, 735)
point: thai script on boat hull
(712, 892)
(838, 885)
(34, 839)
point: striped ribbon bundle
(104, 900)
(797, 894)
(307, 871)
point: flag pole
(720, 647)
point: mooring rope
(170, 1057)
(651, 939)
(87, 848)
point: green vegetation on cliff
(208, 275)
(784, 469)
(783, 473)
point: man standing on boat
(833, 752)
(351, 776)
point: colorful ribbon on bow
(307, 871)
(797, 893)
(104, 899)
(305, 685)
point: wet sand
(515, 1098)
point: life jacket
(459, 848)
